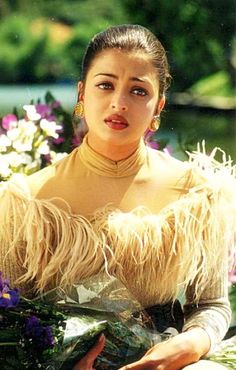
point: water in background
(183, 128)
(187, 127)
(19, 95)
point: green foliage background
(199, 36)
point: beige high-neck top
(158, 221)
(88, 181)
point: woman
(155, 223)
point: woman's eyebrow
(106, 74)
(116, 77)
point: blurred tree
(7, 7)
(83, 11)
(74, 48)
(66, 11)
(20, 51)
(198, 34)
(51, 36)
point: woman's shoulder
(165, 159)
(212, 171)
(55, 172)
(170, 170)
(30, 185)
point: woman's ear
(161, 104)
(80, 91)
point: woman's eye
(105, 86)
(139, 91)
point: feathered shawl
(154, 256)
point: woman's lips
(116, 122)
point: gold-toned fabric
(109, 168)
(157, 224)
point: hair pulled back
(129, 38)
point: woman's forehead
(116, 60)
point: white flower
(31, 112)
(37, 155)
(33, 166)
(27, 127)
(23, 146)
(13, 133)
(43, 148)
(50, 127)
(14, 159)
(26, 140)
(22, 137)
(5, 171)
(26, 158)
(57, 156)
(4, 143)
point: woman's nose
(119, 103)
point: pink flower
(76, 140)
(9, 121)
(232, 277)
(168, 149)
(58, 140)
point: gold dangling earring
(79, 110)
(155, 123)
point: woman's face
(121, 96)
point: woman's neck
(111, 151)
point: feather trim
(154, 256)
(54, 246)
(188, 242)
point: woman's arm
(174, 354)
(212, 313)
(206, 324)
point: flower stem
(9, 344)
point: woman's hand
(174, 354)
(86, 363)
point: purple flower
(43, 109)
(58, 141)
(148, 135)
(51, 117)
(56, 104)
(47, 158)
(153, 144)
(9, 121)
(41, 336)
(8, 297)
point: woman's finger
(142, 364)
(86, 363)
(97, 348)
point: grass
(217, 84)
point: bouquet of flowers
(41, 136)
(35, 334)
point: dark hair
(129, 37)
